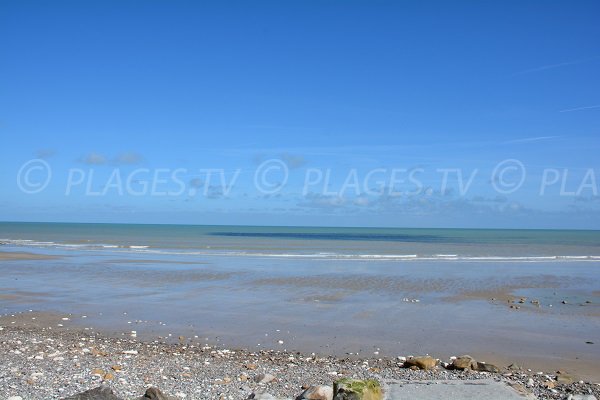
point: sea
(503, 296)
(394, 244)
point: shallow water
(321, 301)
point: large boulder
(464, 363)
(264, 378)
(99, 393)
(356, 389)
(424, 362)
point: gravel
(37, 363)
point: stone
(483, 367)
(356, 389)
(99, 393)
(549, 384)
(581, 397)
(425, 362)
(464, 363)
(264, 378)
(99, 353)
(530, 382)
(15, 398)
(564, 379)
(514, 367)
(319, 392)
(155, 394)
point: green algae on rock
(356, 389)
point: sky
(337, 113)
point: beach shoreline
(50, 355)
(505, 297)
(344, 309)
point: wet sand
(20, 255)
(355, 309)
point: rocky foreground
(43, 364)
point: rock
(99, 393)
(99, 353)
(356, 389)
(155, 394)
(15, 398)
(530, 382)
(425, 362)
(264, 378)
(98, 371)
(319, 392)
(564, 379)
(464, 362)
(514, 367)
(549, 384)
(483, 367)
(581, 397)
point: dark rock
(100, 393)
(483, 367)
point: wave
(146, 249)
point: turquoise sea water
(317, 242)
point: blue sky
(341, 87)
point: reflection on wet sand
(21, 255)
(334, 307)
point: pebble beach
(46, 362)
